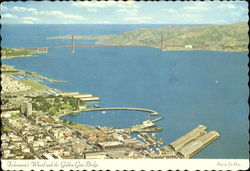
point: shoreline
(216, 50)
(11, 68)
(36, 90)
(8, 53)
(70, 113)
(72, 124)
(21, 56)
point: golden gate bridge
(161, 45)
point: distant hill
(227, 37)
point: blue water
(180, 85)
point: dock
(194, 147)
(190, 136)
(68, 94)
(192, 142)
(92, 98)
(146, 126)
(143, 130)
(83, 97)
(157, 119)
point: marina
(146, 126)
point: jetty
(157, 119)
(152, 112)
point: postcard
(124, 85)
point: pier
(83, 97)
(152, 112)
(196, 146)
(146, 126)
(92, 98)
(157, 119)
(192, 142)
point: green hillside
(228, 37)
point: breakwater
(152, 112)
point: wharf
(157, 119)
(92, 98)
(146, 126)
(192, 142)
(142, 130)
(83, 97)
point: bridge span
(45, 49)
(73, 46)
(86, 46)
(152, 112)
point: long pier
(152, 112)
(157, 119)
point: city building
(26, 108)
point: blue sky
(130, 12)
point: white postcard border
(123, 164)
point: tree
(52, 110)
(47, 104)
(43, 108)
(56, 100)
(35, 106)
(66, 106)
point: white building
(188, 46)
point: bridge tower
(73, 44)
(41, 49)
(161, 42)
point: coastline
(8, 53)
(37, 87)
(19, 56)
(216, 50)
(70, 113)
(164, 49)
(176, 37)
(9, 69)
